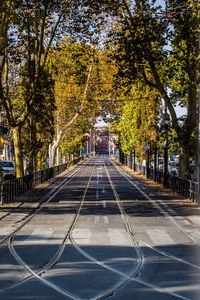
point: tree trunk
(53, 154)
(18, 152)
(184, 160)
(63, 130)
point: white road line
(81, 236)
(96, 219)
(195, 232)
(118, 237)
(160, 237)
(194, 219)
(39, 235)
(155, 204)
(105, 219)
(129, 277)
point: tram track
(42, 204)
(103, 295)
(21, 262)
(155, 204)
(155, 287)
(125, 277)
(132, 276)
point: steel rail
(54, 260)
(155, 204)
(109, 292)
(59, 252)
(66, 181)
(38, 273)
(154, 287)
(126, 277)
(166, 214)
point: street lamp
(165, 123)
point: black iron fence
(181, 186)
(10, 190)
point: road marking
(105, 219)
(39, 236)
(154, 203)
(194, 219)
(194, 232)
(160, 237)
(5, 231)
(96, 219)
(118, 237)
(81, 236)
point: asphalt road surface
(98, 232)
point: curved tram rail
(166, 214)
(136, 242)
(37, 274)
(140, 259)
(10, 239)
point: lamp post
(165, 125)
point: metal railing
(183, 187)
(10, 190)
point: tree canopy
(63, 63)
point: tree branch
(63, 130)
(42, 35)
(54, 31)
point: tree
(38, 129)
(161, 48)
(27, 31)
(138, 123)
(74, 73)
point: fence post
(155, 164)
(131, 158)
(134, 167)
(147, 163)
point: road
(100, 233)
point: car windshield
(172, 164)
(7, 164)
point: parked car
(173, 168)
(9, 170)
